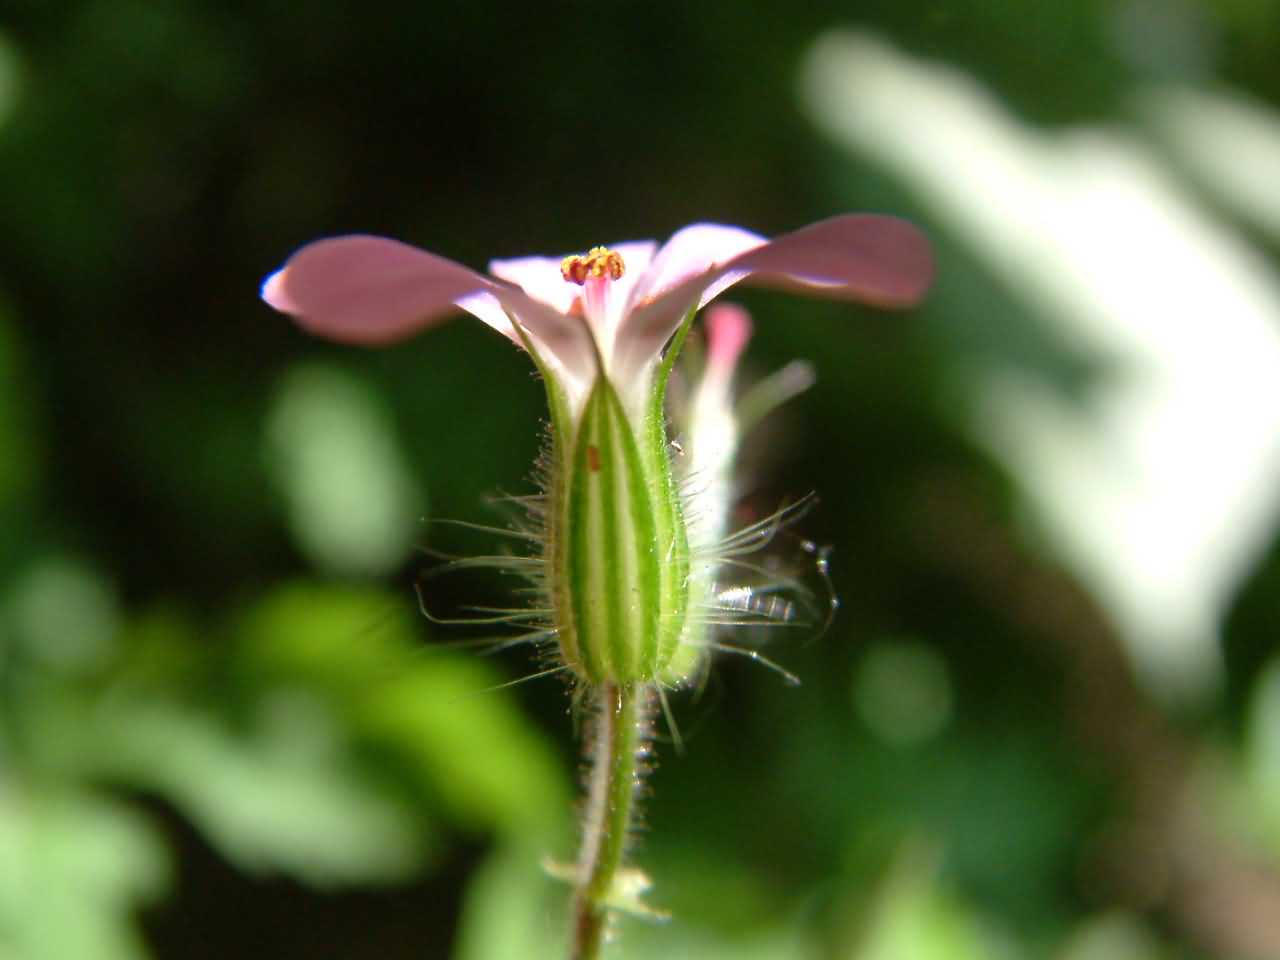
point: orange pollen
(597, 262)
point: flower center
(596, 263)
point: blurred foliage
(224, 729)
(332, 453)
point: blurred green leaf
(513, 909)
(434, 710)
(273, 750)
(73, 869)
(352, 502)
(914, 919)
(1114, 936)
(64, 614)
(1263, 757)
(282, 795)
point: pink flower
(612, 320)
(630, 590)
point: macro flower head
(613, 310)
(625, 585)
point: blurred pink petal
(728, 329)
(882, 261)
(364, 289)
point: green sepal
(671, 519)
(620, 610)
(617, 553)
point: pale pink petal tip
(728, 331)
(273, 293)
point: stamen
(598, 262)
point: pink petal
(728, 328)
(540, 278)
(878, 260)
(690, 252)
(872, 259)
(637, 255)
(370, 290)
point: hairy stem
(619, 718)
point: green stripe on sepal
(618, 548)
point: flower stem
(620, 720)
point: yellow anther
(598, 262)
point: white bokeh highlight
(1162, 487)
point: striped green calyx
(617, 551)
